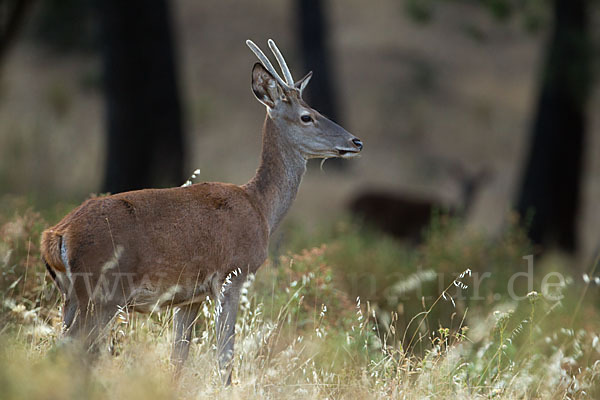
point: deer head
(303, 127)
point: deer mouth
(347, 153)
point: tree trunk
(313, 40)
(313, 37)
(550, 191)
(12, 18)
(145, 138)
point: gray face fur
(305, 129)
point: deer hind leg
(95, 308)
(70, 308)
(227, 307)
(70, 304)
(183, 323)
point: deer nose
(358, 143)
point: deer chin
(346, 153)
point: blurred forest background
(477, 107)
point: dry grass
(301, 334)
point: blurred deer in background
(173, 247)
(405, 215)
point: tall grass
(358, 316)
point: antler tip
(289, 81)
(273, 46)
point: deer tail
(51, 250)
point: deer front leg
(183, 324)
(225, 325)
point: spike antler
(282, 64)
(289, 83)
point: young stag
(173, 247)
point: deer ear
(264, 86)
(301, 84)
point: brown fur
(217, 226)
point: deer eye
(306, 118)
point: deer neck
(278, 176)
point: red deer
(156, 247)
(406, 216)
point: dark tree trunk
(313, 37)
(145, 138)
(313, 40)
(13, 15)
(550, 191)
